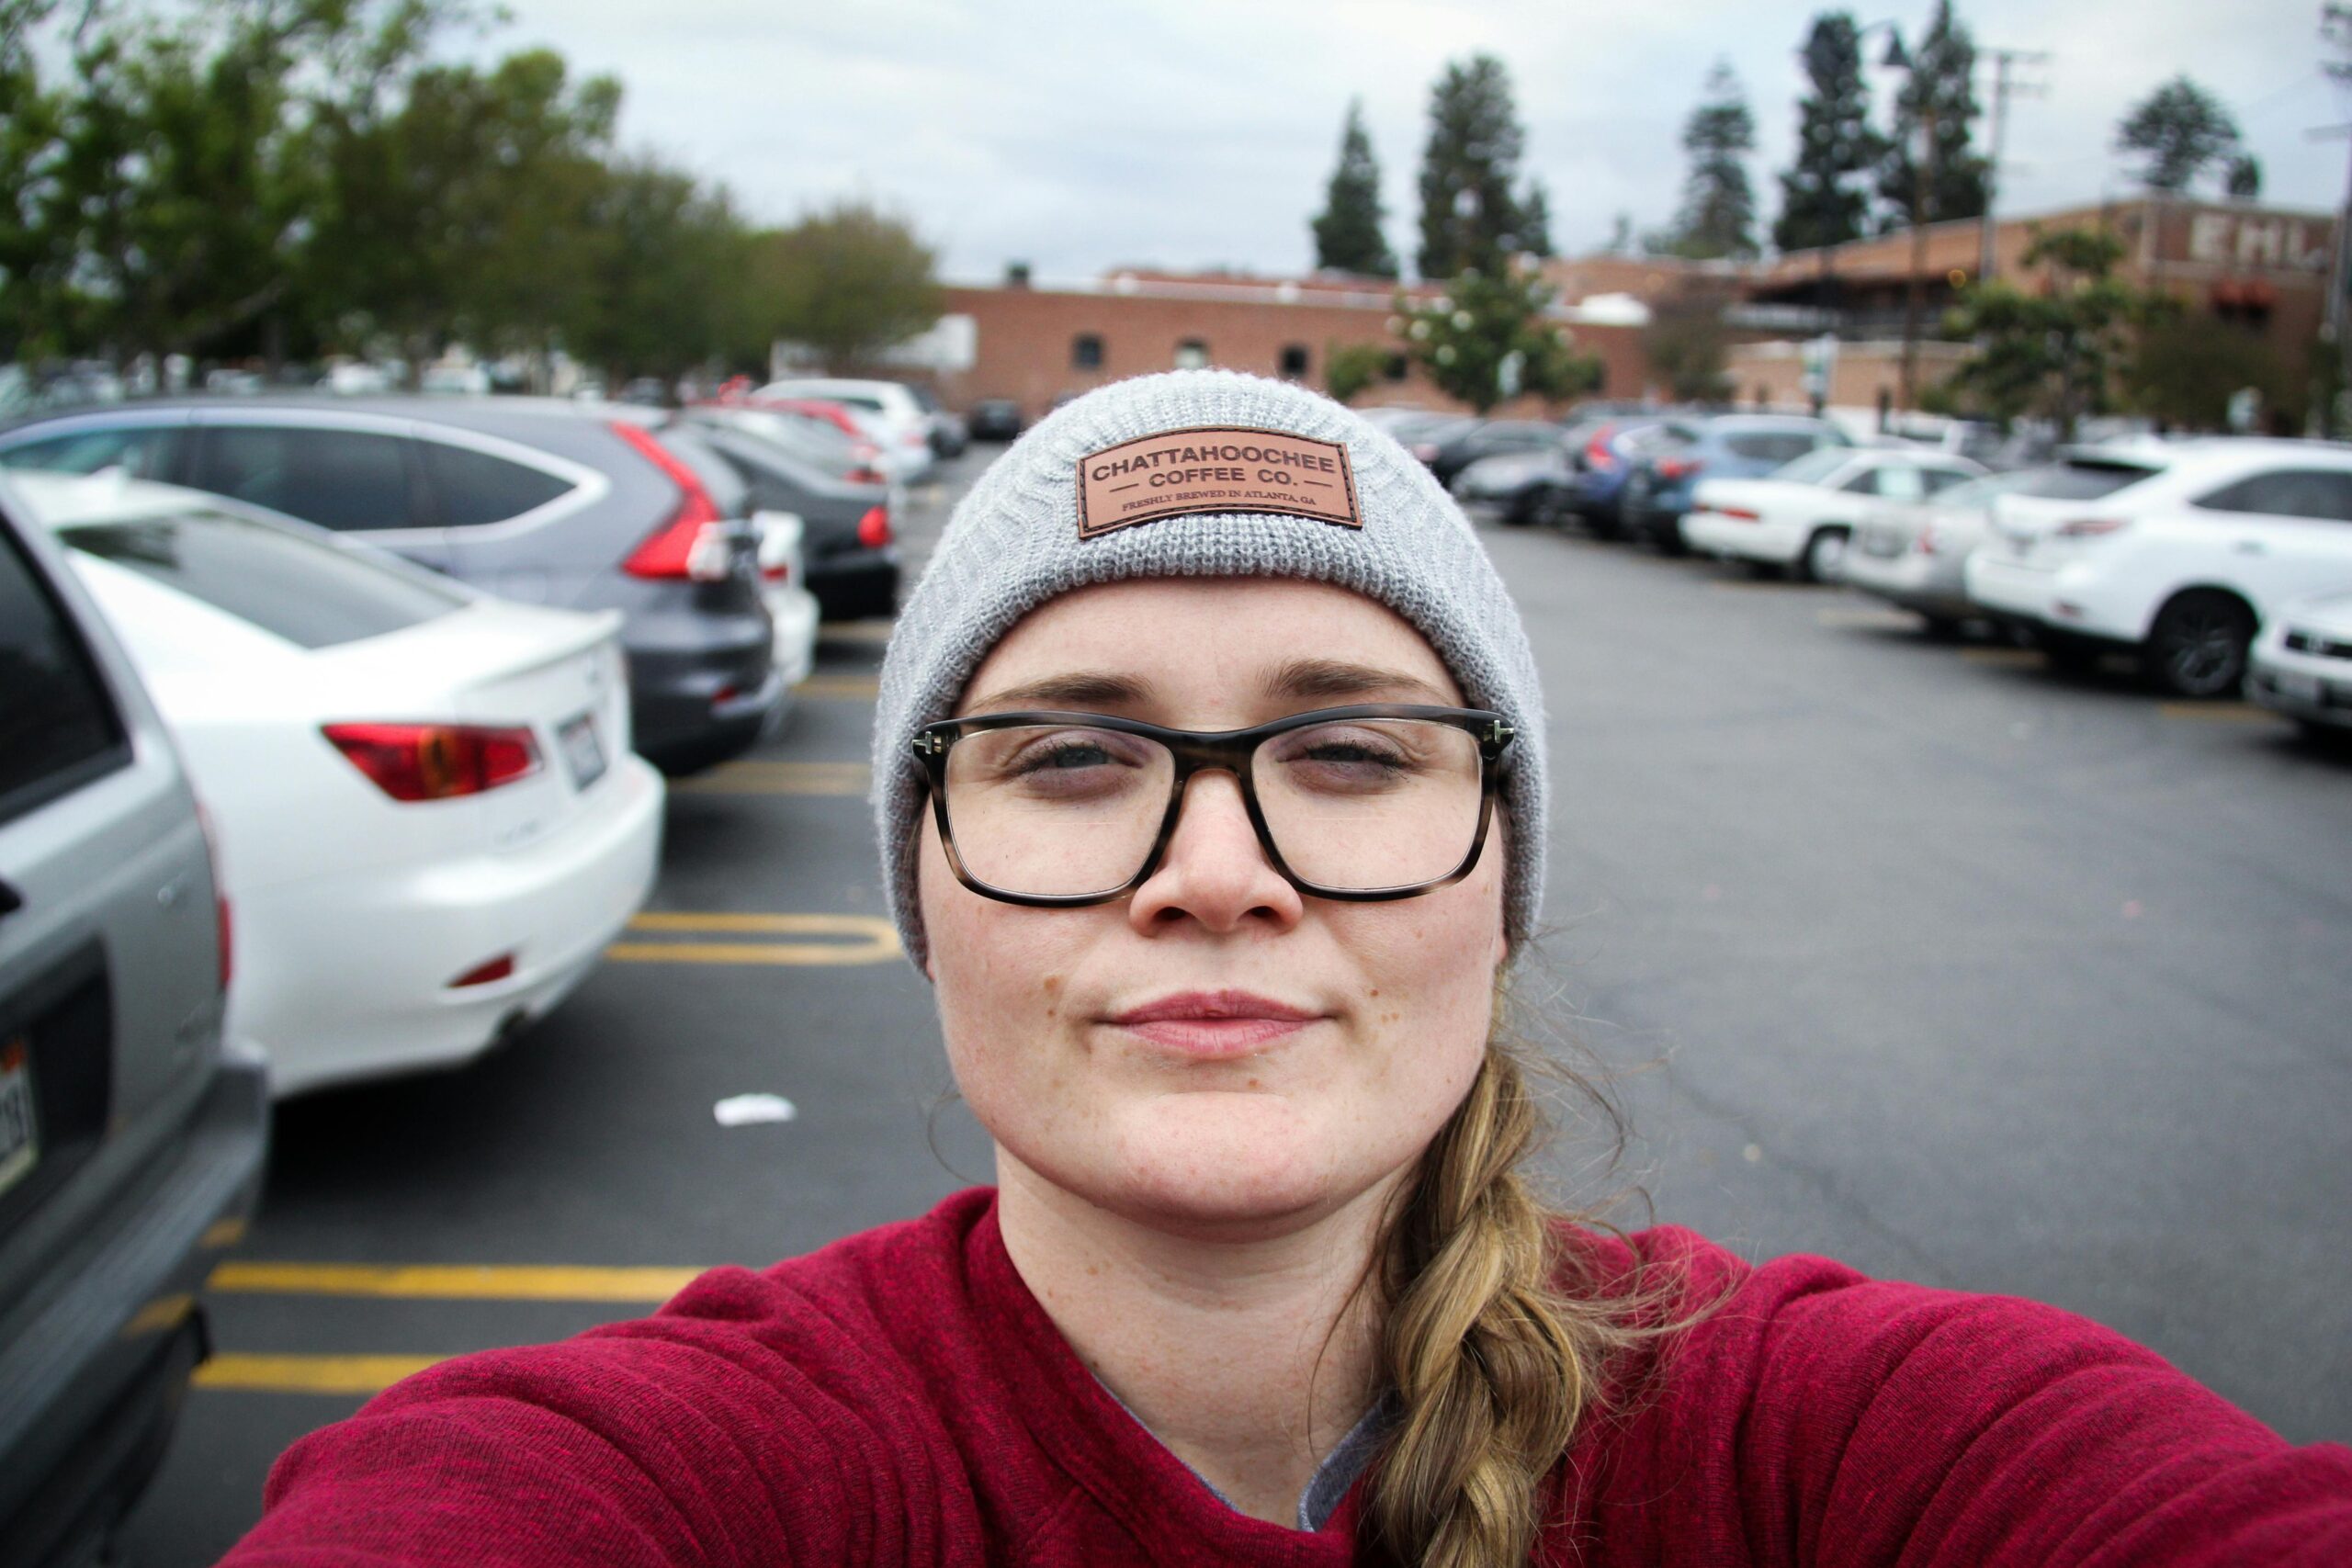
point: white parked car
(784, 586)
(1803, 514)
(898, 421)
(1916, 553)
(2301, 665)
(429, 821)
(2184, 564)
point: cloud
(1202, 134)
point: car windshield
(311, 591)
(1815, 467)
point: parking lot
(1907, 952)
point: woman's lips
(1214, 1024)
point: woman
(1210, 784)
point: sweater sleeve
(1887, 1424)
(730, 1430)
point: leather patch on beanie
(1216, 467)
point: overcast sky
(1200, 132)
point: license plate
(19, 1133)
(2300, 688)
(1882, 543)
(583, 752)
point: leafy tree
(1348, 236)
(1824, 196)
(1485, 340)
(1936, 108)
(2178, 131)
(1686, 346)
(1470, 218)
(2188, 363)
(658, 245)
(1350, 367)
(2243, 182)
(2053, 351)
(1718, 213)
(848, 282)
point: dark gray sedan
(586, 506)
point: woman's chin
(1221, 1160)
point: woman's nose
(1214, 870)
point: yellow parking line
(855, 631)
(454, 1281)
(869, 940)
(2010, 657)
(1867, 620)
(2228, 713)
(308, 1374)
(864, 687)
(780, 778)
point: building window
(1192, 353)
(1086, 352)
(1395, 368)
(1293, 361)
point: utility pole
(2003, 59)
(1923, 178)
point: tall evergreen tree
(1718, 214)
(1347, 236)
(1940, 92)
(1470, 217)
(2178, 131)
(1535, 220)
(1825, 194)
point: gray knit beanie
(1202, 473)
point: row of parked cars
(2220, 564)
(333, 743)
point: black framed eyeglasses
(1362, 804)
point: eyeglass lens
(1357, 805)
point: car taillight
(693, 543)
(435, 761)
(2091, 528)
(221, 923)
(873, 528)
(866, 476)
(1676, 468)
(1928, 543)
(1599, 455)
(1739, 514)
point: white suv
(902, 425)
(2182, 564)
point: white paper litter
(751, 1110)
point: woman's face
(1142, 1118)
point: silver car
(131, 1139)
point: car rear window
(2079, 478)
(304, 588)
(1772, 446)
(58, 725)
(338, 479)
(476, 487)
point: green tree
(1935, 110)
(1686, 346)
(661, 253)
(1487, 340)
(1470, 216)
(1349, 369)
(1347, 236)
(848, 282)
(2053, 351)
(2187, 365)
(1825, 194)
(1718, 213)
(2243, 181)
(2177, 133)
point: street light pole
(1923, 177)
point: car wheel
(1940, 628)
(1824, 556)
(2197, 647)
(2068, 656)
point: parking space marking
(847, 687)
(874, 632)
(453, 1281)
(2226, 712)
(779, 778)
(308, 1374)
(862, 939)
(2007, 658)
(1867, 620)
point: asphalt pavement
(1908, 952)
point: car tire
(2067, 656)
(1939, 628)
(1823, 560)
(2198, 646)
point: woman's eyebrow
(1318, 678)
(1076, 690)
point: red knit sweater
(900, 1397)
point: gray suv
(586, 506)
(131, 1143)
